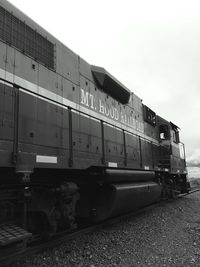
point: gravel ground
(168, 235)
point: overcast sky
(151, 46)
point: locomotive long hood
(110, 85)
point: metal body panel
(147, 157)
(114, 145)
(67, 63)
(2, 58)
(133, 151)
(6, 112)
(27, 66)
(85, 70)
(177, 165)
(10, 63)
(44, 129)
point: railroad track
(37, 247)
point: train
(76, 146)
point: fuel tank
(115, 199)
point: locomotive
(76, 145)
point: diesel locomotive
(76, 145)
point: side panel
(177, 163)
(87, 143)
(156, 155)
(43, 128)
(6, 124)
(26, 68)
(147, 155)
(27, 121)
(10, 63)
(2, 58)
(114, 145)
(6, 112)
(133, 151)
(67, 63)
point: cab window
(163, 132)
(175, 136)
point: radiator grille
(21, 36)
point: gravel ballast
(168, 235)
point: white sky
(152, 46)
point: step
(10, 233)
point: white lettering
(89, 100)
(116, 114)
(84, 98)
(122, 118)
(112, 113)
(107, 111)
(101, 107)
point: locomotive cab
(172, 157)
(172, 152)
(178, 164)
